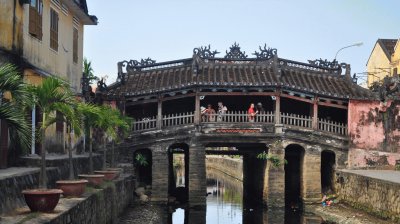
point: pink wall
(374, 129)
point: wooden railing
(148, 123)
(296, 120)
(332, 127)
(293, 120)
(238, 117)
(178, 119)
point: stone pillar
(196, 216)
(274, 179)
(160, 174)
(197, 175)
(312, 178)
(159, 114)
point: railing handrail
(267, 117)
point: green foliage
(275, 160)
(141, 160)
(88, 71)
(27, 218)
(397, 167)
(13, 111)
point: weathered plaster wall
(374, 129)
(378, 59)
(375, 196)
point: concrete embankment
(374, 191)
(230, 166)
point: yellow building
(395, 62)
(43, 38)
(382, 59)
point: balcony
(239, 117)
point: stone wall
(100, 207)
(28, 178)
(24, 178)
(375, 196)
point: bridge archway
(178, 171)
(294, 155)
(143, 162)
(328, 162)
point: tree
(111, 122)
(53, 95)
(91, 115)
(12, 112)
(88, 71)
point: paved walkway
(387, 175)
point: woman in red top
(251, 112)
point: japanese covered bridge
(304, 120)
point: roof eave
(82, 15)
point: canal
(224, 206)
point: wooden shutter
(33, 21)
(39, 31)
(75, 46)
(53, 30)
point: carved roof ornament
(325, 63)
(266, 53)
(134, 65)
(235, 52)
(205, 52)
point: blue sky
(300, 30)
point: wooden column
(278, 109)
(197, 109)
(315, 114)
(159, 114)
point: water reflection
(225, 206)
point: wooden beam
(278, 110)
(238, 93)
(332, 105)
(297, 98)
(315, 114)
(159, 114)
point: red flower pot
(72, 188)
(42, 200)
(94, 179)
(108, 174)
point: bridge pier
(312, 178)
(160, 174)
(197, 175)
(274, 180)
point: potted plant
(91, 115)
(72, 187)
(53, 95)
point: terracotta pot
(42, 200)
(72, 188)
(108, 174)
(94, 179)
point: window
(75, 46)
(35, 18)
(53, 29)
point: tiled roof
(235, 74)
(388, 46)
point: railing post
(197, 109)
(315, 114)
(159, 114)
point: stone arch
(294, 183)
(328, 164)
(143, 162)
(178, 171)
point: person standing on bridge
(222, 109)
(210, 113)
(251, 113)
